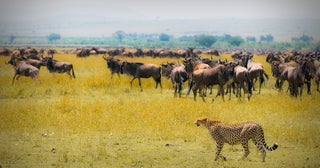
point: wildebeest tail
(249, 83)
(190, 85)
(159, 79)
(265, 74)
(261, 77)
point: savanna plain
(96, 121)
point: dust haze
(282, 18)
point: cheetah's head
(200, 121)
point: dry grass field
(93, 121)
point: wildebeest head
(228, 71)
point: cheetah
(236, 134)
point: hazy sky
(17, 10)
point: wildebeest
(317, 74)
(23, 68)
(193, 64)
(242, 81)
(59, 67)
(140, 70)
(82, 52)
(219, 75)
(5, 52)
(114, 65)
(167, 68)
(256, 71)
(178, 76)
(295, 79)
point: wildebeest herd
(242, 73)
(27, 62)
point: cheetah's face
(200, 121)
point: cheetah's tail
(274, 147)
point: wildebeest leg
(260, 84)
(253, 82)
(202, 95)
(112, 74)
(74, 76)
(277, 85)
(194, 90)
(68, 72)
(308, 82)
(140, 84)
(132, 80)
(220, 91)
(14, 78)
(158, 81)
(175, 89)
(180, 88)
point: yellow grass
(93, 121)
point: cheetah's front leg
(244, 144)
(219, 149)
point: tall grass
(96, 121)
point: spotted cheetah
(236, 134)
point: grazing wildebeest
(242, 80)
(178, 76)
(59, 67)
(23, 68)
(140, 70)
(114, 65)
(219, 75)
(255, 71)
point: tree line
(121, 38)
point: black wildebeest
(178, 76)
(114, 65)
(219, 75)
(21, 67)
(59, 67)
(140, 70)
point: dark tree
(11, 39)
(186, 38)
(119, 35)
(266, 38)
(164, 37)
(304, 38)
(54, 37)
(251, 39)
(205, 40)
(235, 40)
